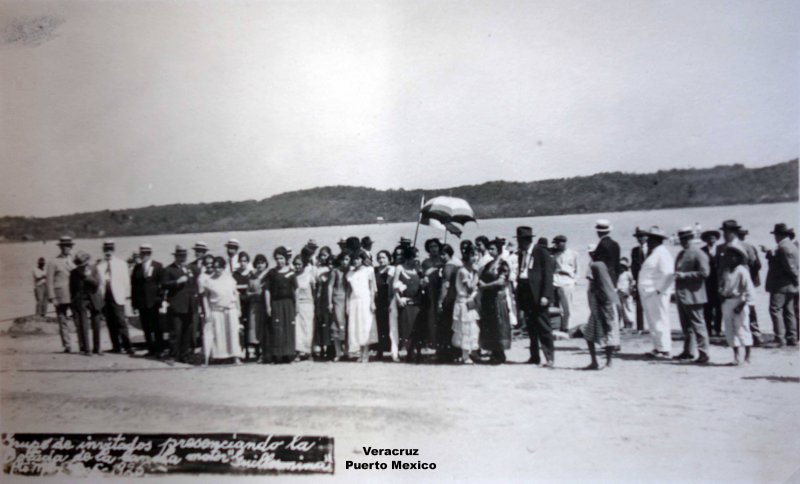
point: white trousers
(656, 320)
(394, 335)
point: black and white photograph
(399, 241)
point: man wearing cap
(179, 281)
(607, 250)
(754, 265)
(712, 311)
(782, 286)
(232, 250)
(57, 272)
(730, 232)
(655, 280)
(86, 303)
(534, 292)
(146, 298)
(691, 270)
(566, 273)
(638, 255)
(115, 288)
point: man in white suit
(115, 288)
(655, 281)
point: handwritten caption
(133, 455)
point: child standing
(625, 288)
(736, 294)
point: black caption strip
(97, 455)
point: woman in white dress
(362, 329)
(304, 301)
(221, 305)
(465, 314)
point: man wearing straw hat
(638, 255)
(58, 271)
(655, 281)
(607, 250)
(782, 285)
(146, 298)
(691, 270)
(115, 288)
(178, 280)
(232, 250)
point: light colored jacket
(657, 272)
(58, 271)
(120, 281)
(566, 268)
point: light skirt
(221, 334)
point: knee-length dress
(408, 315)
(465, 320)
(221, 326)
(383, 297)
(304, 316)
(603, 326)
(495, 327)
(280, 334)
(322, 307)
(361, 327)
(256, 308)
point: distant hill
(345, 205)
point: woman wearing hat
(431, 284)
(279, 341)
(495, 328)
(736, 292)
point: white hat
(602, 225)
(232, 243)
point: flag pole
(419, 219)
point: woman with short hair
(279, 343)
(221, 306)
(387, 334)
(361, 327)
(304, 304)
(256, 305)
(322, 304)
(407, 287)
(495, 328)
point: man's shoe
(533, 361)
(702, 359)
(67, 350)
(683, 356)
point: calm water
(18, 259)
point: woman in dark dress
(494, 324)
(280, 288)
(431, 284)
(256, 306)
(242, 277)
(383, 278)
(407, 287)
(323, 305)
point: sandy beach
(639, 420)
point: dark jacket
(690, 285)
(637, 259)
(83, 287)
(608, 251)
(753, 262)
(712, 287)
(782, 273)
(540, 276)
(179, 295)
(146, 288)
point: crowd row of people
(333, 306)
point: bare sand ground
(641, 420)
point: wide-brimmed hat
(146, 249)
(198, 246)
(730, 225)
(639, 232)
(405, 241)
(686, 233)
(524, 232)
(312, 244)
(179, 249)
(342, 242)
(82, 258)
(781, 229)
(366, 241)
(743, 231)
(602, 225)
(65, 240)
(232, 243)
(109, 244)
(707, 233)
(656, 231)
(559, 238)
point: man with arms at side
(691, 270)
(712, 311)
(638, 255)
(115, 288)
(58, 271)
(754, 265)
(655, 281)
(607, 250)
(782, 279)
(566, 274)
(146, 298)
(534, 293)
(179, 282)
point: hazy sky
(125, 104)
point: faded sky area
(124, 104)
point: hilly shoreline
(347, 205)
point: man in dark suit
(178, 280)
(536, 267)
(638, 255)
(712, 311)
(691, 270)
(782, 285)
(146, 298)
(87, 304)
(607, 249)
(754, 264)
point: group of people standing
(333, 306)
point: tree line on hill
(346, 205)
